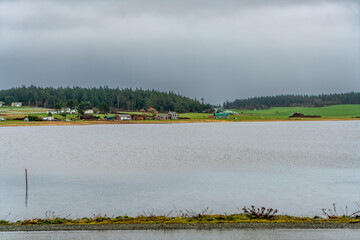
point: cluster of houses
(216, 113)
(69, 111)
(169, 116)
(121, 117)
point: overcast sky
(212, 49)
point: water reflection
(26, 199)
(26, 186)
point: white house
(173, 115)
(65, 110)
(73, 111)
(1, 103)
(123, 117)
(49, 118)
(89, 111)
(52, 112)
(16, 104)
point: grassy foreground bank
(205, 221)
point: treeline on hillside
(294, 100)
(124, 99)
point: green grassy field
(330, 112)
(282, 113)
(195, 115)
(22, 110)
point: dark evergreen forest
(294, 101)
(124, 99)
(136, 99)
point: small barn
(16, 104)
(89, 111)
(162, 117)
(1, 103)
(123, 117)
(48, 119)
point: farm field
(22, 110)
(329, 112)
(348, 111)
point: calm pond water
(297, 167)
(278, 234)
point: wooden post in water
(26, 193)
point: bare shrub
(156, 213)
(189, 213)
(332, 213)
(50, 215)
(259, 213)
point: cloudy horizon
(216, 50)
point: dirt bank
(200, 226)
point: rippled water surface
(296, 167)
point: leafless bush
(189, 213)
(332, 213)
(149, 213)
(355, 214)
(6, 217)
(259, 213)
(194, 214)
(50, 215)
(99, 217)
(156, 213)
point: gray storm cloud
(213, 49)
